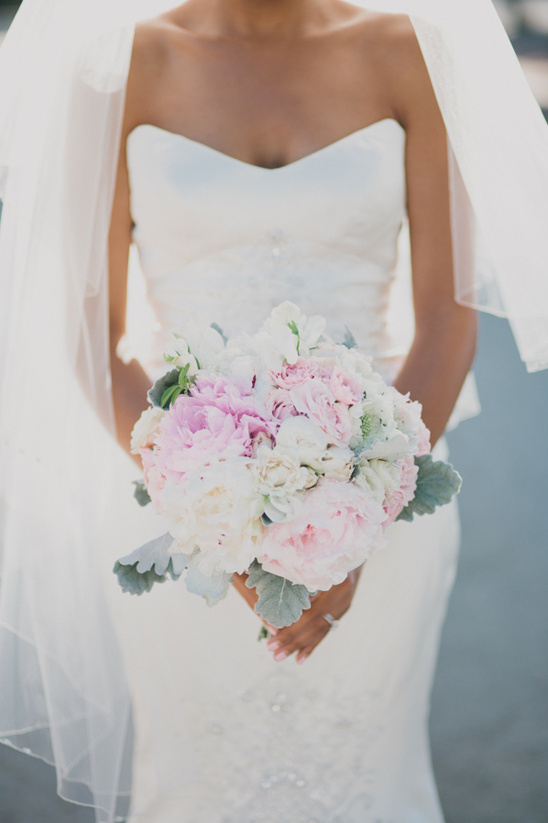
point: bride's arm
(129, 380)
(445, 333)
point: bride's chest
(194, 200)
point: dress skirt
(225, 734)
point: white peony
(281, 479)
(302, 439)
(142, 436)
(219, 513)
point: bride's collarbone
(271, 112)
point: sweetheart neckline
(269, 170)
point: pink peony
(396, 499)
(336, 529)
(217, 421)
(316, 400)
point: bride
(264, 151)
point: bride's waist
(237, 291)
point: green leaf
(141, 494)
(149, 564)
(280, 602)
(437, 482)
(264, 634)
(157, 391)
(168, 397)
(212, 589)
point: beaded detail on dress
(232, 240)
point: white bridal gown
(223, 733)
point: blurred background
(490, 702)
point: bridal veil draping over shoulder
(63, 68)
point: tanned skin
(269, 82)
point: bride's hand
(303, 636)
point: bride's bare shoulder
(390, 41)
(387, 38)
(154, 45)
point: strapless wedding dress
(223, 733)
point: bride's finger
(306, 636)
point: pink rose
(295, 374)
(336, 529)
(397, 499)
(316, 400)
(279, 404)
(345, 387)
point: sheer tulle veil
(63, 67)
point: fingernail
(300, 660)
(271, 629)
(272, 645)
(280, 656)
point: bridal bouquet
(281, 454)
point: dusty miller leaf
(141, 494)
(212, 589)
(149, 564)
(437, 482)
(349, 339)
(280, 602)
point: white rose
(142, 436)
(303, 439)
(337, 463)
(219, 512)
(377, 477)
(281, 479)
